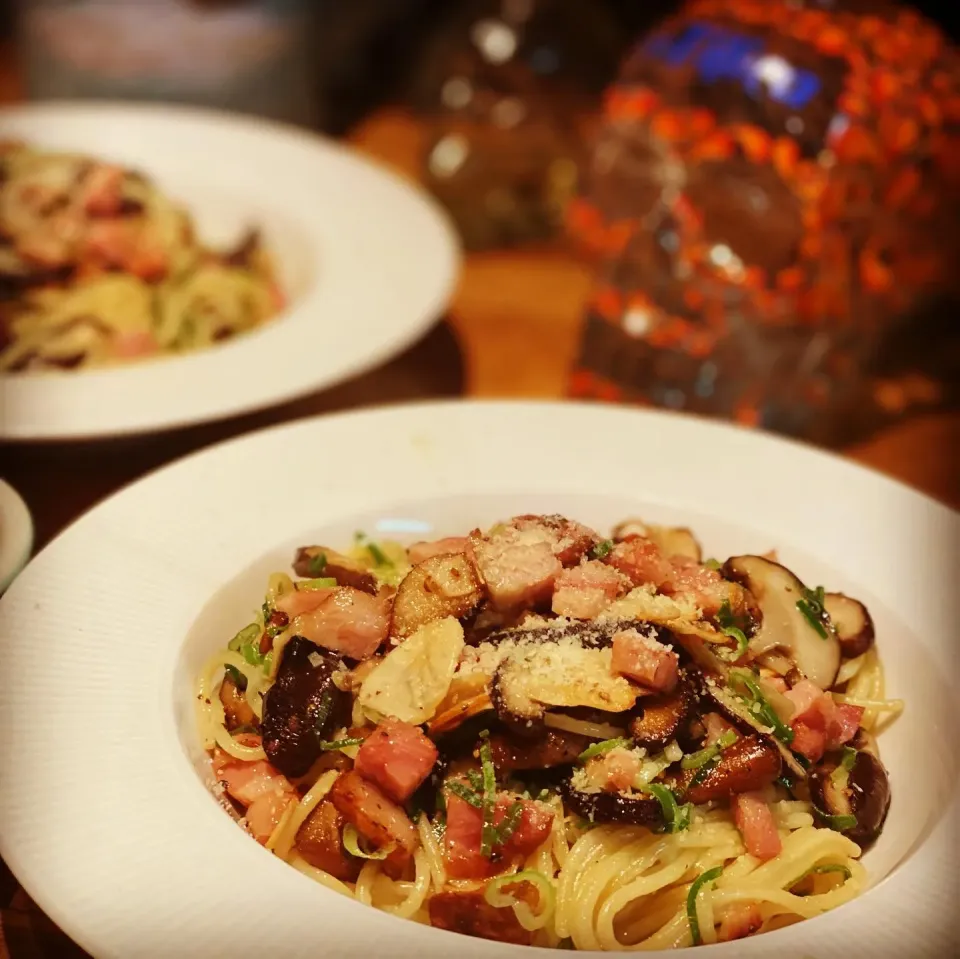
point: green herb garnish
(839, 823)
(710, 876)
(675, 816)
(327, 582)
(235, 677)
(760, 708)
(509, 823)
(340, 744)
(849, 758)
(697, 759)
(246, 636)
(598, 749)
(812, 607)
(728, 626)
(475, 780)
(713, 564)
(702, 772)
(317, 564)
(602, 549)
(488, 835)
(379, 556)
(464, 792)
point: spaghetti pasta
(99, 267)
(491, 841)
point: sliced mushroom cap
(551, 749)
(302, 707)
(784, 626)
(607, 807)
(440, 586)
(864, 793)
(664, 717)
(751, 763)
(852, 622)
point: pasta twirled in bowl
(540, 736)
(98, 266)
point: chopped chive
(324, 709)
(488, 836)
(702, 772)
(598, 749)
(697, 759)
(379, 557)
(710, 876)
(713, 564)
(727, 739)
(465, 793)
(326, 582)
(317, 564)
(245, 637)
(849, 758)
(676, 817)
(340, 744)
(510, 823)
(760, 708)
(475, 780)
(814, 611)
(838, 823)
(602, 549)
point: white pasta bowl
(366, 260)
(105, 814)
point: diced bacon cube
(584, 591)
(640, 561)
(809, 741)
(420, 552)
(757, 826)
(344, 620)
(818, 722)
(846, 722)
(516, 574)
(464, 835)
(397, 757)
(643, 659)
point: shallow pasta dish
(98, 266)
(537, 735)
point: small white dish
(16, 534)
(366, 259)
(104, 812)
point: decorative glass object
(771, 204)
(507, 88)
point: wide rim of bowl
(16, 534)
(386, 226)
(157, 551)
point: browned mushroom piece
(302, 707)
(551, 749)
(316, 561)
(852, 622)
(750, 763)
(862, 792)
(319, 843)
(441, 586)
(816, 653)
(236, 709)
(612, 807)
(664, 717)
